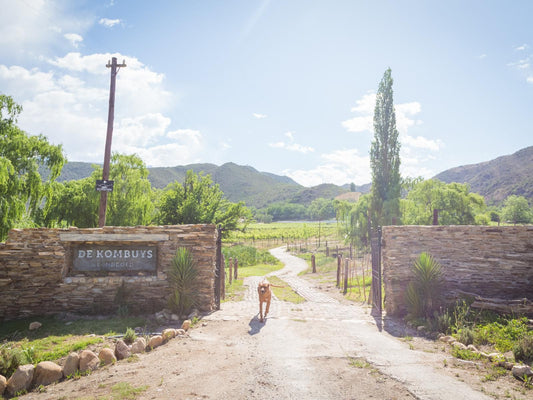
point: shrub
(248, 255)
(10, 359)
(129, 336)
(182, 278)
(424, 292)
(523, 349)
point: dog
(265, 295)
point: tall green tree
(385, 157)
(455, 203)
(353, 221)
(198, 201)
(21, 186)
(76, 203)
(516, 210)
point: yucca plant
(424, 292)
(182, 279)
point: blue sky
(285, 86)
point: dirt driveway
(321, 349)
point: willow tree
(385, 157)
(22, 189)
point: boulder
(122, 350)
(180, 332)
(194, 314)
(186, 325)
(21, 379)
(139, 346)
(473, 348)
(72, 364)
(521, 371)
(47, 372)
(459, 345)
(3, 384)
(446, 339)
(35, 325)
(168, 334)
(155, 341)
(88, 361)
(107, 356)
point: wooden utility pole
(107, 155)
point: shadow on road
(256, 326)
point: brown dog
(265, 295)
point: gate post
(375, 243)
(219, 272)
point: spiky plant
(424, 292)
(182, 279)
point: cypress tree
(385, 157)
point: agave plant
(424, 292)
(182, 279)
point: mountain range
(495, 180)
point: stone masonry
(487, 261)
(37, 277)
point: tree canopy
(22, 188)
(385, 157)
(516, 210)
(199, 201)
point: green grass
(285, 293)
(259, 270)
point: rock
(194, 314)
(180, 332)
(3, 384)
(168, 334)
(72, 364)
(106, 356)
(446, 339)
(508, 366)
(174, 317)
(520, 371)
(155, 341)
(88, 361)
(47, 372)
(186, 325)
(35, 325)
(459, 345)
(20, 380)
(139, 346)
(473, 348)
(122, 350)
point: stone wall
(37, 276)
(492, 262)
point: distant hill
(495, 180)
(498, 178)
(239, 183)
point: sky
(285, 86)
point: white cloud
(69, 103)
(339, 167)
(34, 27)
(291, 146)
(530, 79)
(259, 116)
(109, 23)
(522, 47)
(482, 56)
(359, 124)
(74, 39)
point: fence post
(346, 267)
(313, 263)
(230, 265)
(236, 265)
(327, 250)
(223, 279)
(339, 263)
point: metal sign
(104, 186)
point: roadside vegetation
(56, 338)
